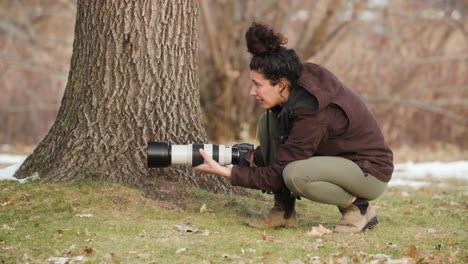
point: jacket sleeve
(258, 157)
(307, 131)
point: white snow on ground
(8, 172)
(11, 159)
(429, 173)
(439, 170)
(405, 174)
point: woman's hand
(211, 166)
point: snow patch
(7, 174)
(439, 170)
(406, 174)
(11, 159)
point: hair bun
(261, 39)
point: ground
(96, 221)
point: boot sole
(372, 223)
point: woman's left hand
(211, 166)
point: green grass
(39, 221)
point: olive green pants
(323, 179)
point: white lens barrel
(190, 155)
(181, 154)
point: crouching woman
(318, 140)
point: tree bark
(133, 79)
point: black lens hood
(159, 154)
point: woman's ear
(282, 86)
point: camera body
(161, 154)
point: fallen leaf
(313, 258)
(318, 231)
(142, 233)
(57, 236)
(87, 233)
(452, 243)
(249, 250)
(230, 256)
(180, 250)
(144, 255)
(5, 203)
(267, 237)
(70, 249)
(344, 245)
(381, 258)
(84, 215)
(418, 235)
(186, 228)
(358, 237)
(203, 209)
(189, 229)
(60, 231)
(412, 252)
(89, 250)
(7, 227)
(390, 245)
(64, 260)
(25, 258)
(452, 257)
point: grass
(112, 223)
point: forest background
(408, 59)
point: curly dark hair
(270, 57)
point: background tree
(407, 58)
(133, 78)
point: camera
(162, 154)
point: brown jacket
(341, 126)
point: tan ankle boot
(357, 218)
(275, 217)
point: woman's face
(266, 94)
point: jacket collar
(319, 82)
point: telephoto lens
(161, 154)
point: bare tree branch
(215, 53)
(322, 29)
(426, 106)
(438, 59)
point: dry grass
(117, 224)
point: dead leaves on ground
(89, 250)
(187, 229)
(68, 255)
(412, 252)
(267, 237)
(84, 215)
(318, 231)
(5, 203)
(203, 209)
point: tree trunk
(133, 79)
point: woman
(318, 140)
